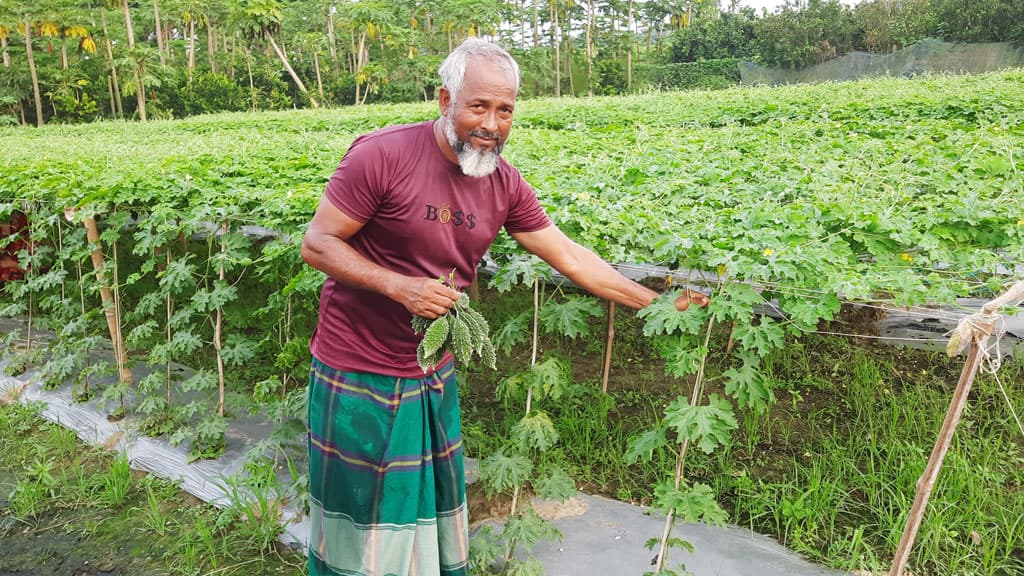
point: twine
(981, 325)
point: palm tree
(158, 28)
(113, 84)
(24, 19)
(137, 70)
(189, 13)
(369, 19)
(262, 19)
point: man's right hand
(427, 297)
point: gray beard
(473, 162)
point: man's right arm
(325, 247)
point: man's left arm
(588, 271)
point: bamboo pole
(608, 347)
(931, 471)
(218, 326)
(109, 312)
(972, 332)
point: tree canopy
(80, 60)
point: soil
(50, 547)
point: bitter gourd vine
(463, 331)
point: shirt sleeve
(359, 183)
(525, 214)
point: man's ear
(444, 100)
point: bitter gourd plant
(463, 331)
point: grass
(69, 509)
(830, 471)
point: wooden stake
(109, 312)
(608, 347)
(974, 331)
(217, 327)
(931, 471)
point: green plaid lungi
(387, 494)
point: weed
(116, 484)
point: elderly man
(407, 205)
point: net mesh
(925, 57)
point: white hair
(453, 69)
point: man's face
(477, 124)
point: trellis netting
(925, 57)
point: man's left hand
(692, 297)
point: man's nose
(490, 122)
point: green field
(883, 192)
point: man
(406, 206)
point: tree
(24, 19)
(731, 35)
(189, 13)
(369, 20)
(979, 20)
(137, 70)
(798, 35)
(261, 19)
(114, 86)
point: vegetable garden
(180, 239)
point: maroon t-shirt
(423, 217)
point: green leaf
(748, 385)
(807, 312)
(182, 318)
(178, 275)
(501, 473)
(535, 431)
(642, 447)
(546, 379)
(202, 380)
(183, 343)
(484, 550)
(528, 567)
(569, 318)
(527, 529)
(152, 383)
(663, 318)
(141, 333)
(707, 426)
(520, 270)
(148, 304)
(764, 337)
(694, 504)
(735, 302)
(684, 360)
(222, 294)
(513, 332)
(555, 485)
(238, 350)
